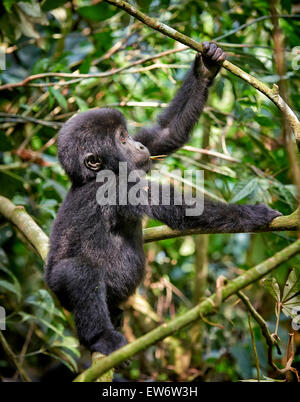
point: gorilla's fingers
(217, 54)
(205, 46)
(222, 57)
(211, 50)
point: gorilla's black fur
(96, 258)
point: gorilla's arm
(178, 119)
(210, 215)
(216, 216)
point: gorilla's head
(96, 140)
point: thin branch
(204, 308)
(10, 354)
(192, 185)
(272, 94)
(13, 166)
(254, 347)
(211, 153)
(17, 118)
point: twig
(192, 185)
(211, 153)
(254, 347)
(13, 358)
(24, 348)
(16, 118)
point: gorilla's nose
(140, 146)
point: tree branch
(26, 225)
(272, 94)
(204, 308)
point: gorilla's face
(97, 140)
(133, 152)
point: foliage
(80, 36)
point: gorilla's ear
(92, 162)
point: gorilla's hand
(258, 216)
(208, 64)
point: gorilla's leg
(81, 289)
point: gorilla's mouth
(144, 164)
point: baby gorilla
(96, 257)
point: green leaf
(52, 4)
(273, 288)
(8, 4)
(248, 189)
(59, 329)
(264, 121)
(68, 342)
(292, 285)
(11, 287)
(6, 233)
(286, 192)
(291, 294)
(49, 206)
(72, 366)
(81, 104)
(59, 97)
(57, 187)
(290, 300)
(43, 300)
(98, 12)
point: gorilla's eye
(92, 162)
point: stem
(13, 358)
(254, 347)
(278, 309)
